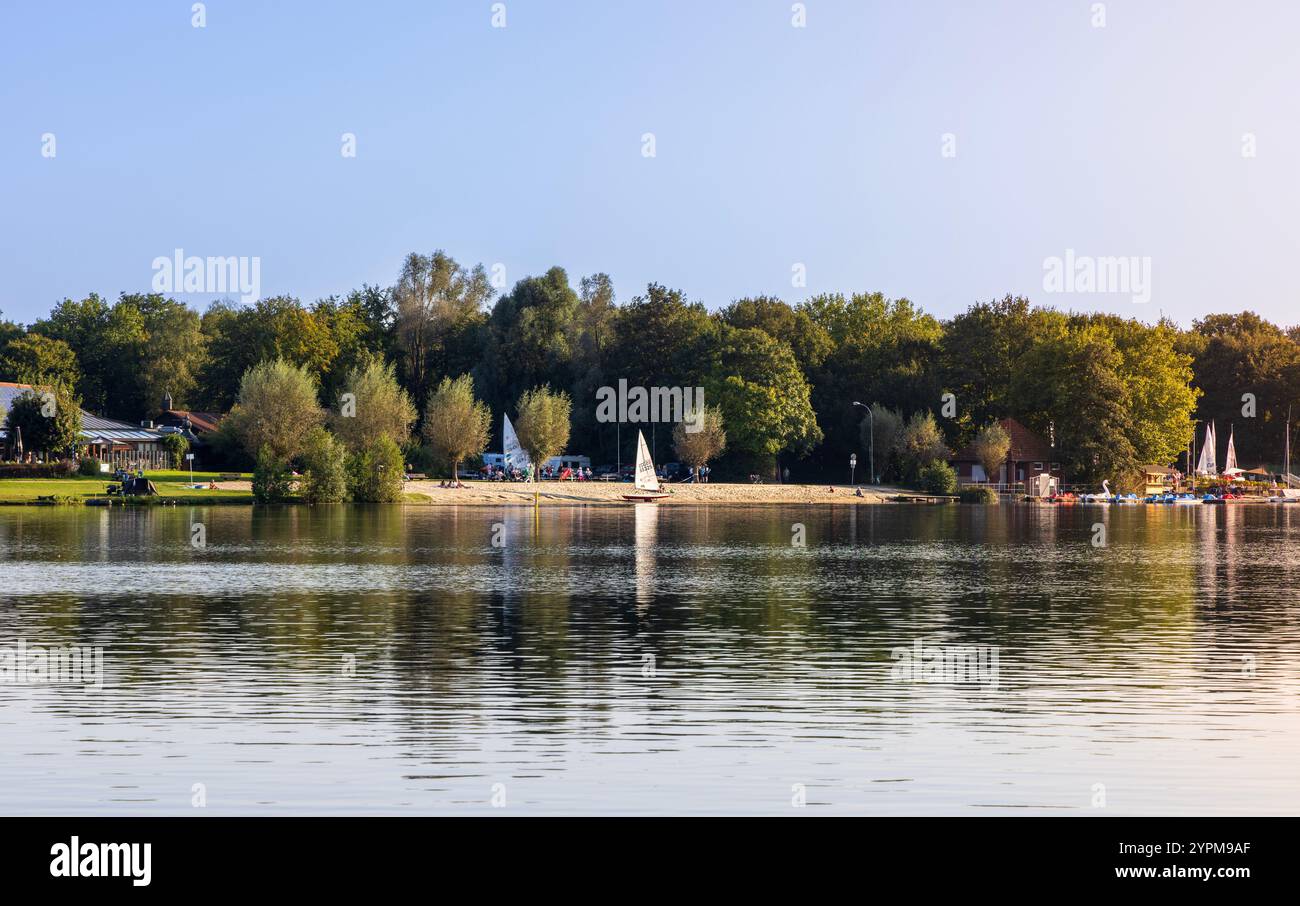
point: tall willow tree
(456, 425)
(434, 295)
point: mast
(1287, 467)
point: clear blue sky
(775, 145)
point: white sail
(1230, 461)
(646, 479)
(515, 457)
(1205, 465)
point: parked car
(674, 471)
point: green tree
(324, 469)
(534, 331)
(49, 420)
(272, 481)
(36, 359)
(808, 340)
(456, 425)
(764, 398)
(277, 409)
(662, 340)
(979, 355)
(885, 350)
(543, 424)
(9, 331)
(83, 325)
(937, 477)
(1071, 380)
(881, 433)
(176, 445)
(1158, 384)
(371, 403)
(375, 472)
(169, 358)
(1236, 354)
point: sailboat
(1230, 468)
(647, 482)
(1206, 464)
(513, 454)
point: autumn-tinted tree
(277, 409)
(542, 424)
(456, 425)
(991, 445)
(434, 298)
(700, 438)
(369, 403)
(921, 444)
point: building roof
(1159, 470)
(203, 422)
(1026, 446)
(8, 392)
(92, 426)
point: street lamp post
(871, 435)
(853, 467)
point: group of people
(575, 473)
(499, 473)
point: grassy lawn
(183, 476)
(169, 484)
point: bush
(272, 482)
(324, 469)
(938, 478)
(375, 472)
(37, 470)
(176, 445)
(88, 467)
(978, 495)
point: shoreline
(490, 493)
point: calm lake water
(642, 660)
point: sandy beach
(600, 493)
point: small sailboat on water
(1290, 494)
(646, 481)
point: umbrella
(18, 439)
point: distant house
(1029, 455)
(117, 443)
(1159, 479)
(194, 425)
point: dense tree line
(1111, 392)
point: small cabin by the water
(1029, 455)
(1159, 479)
